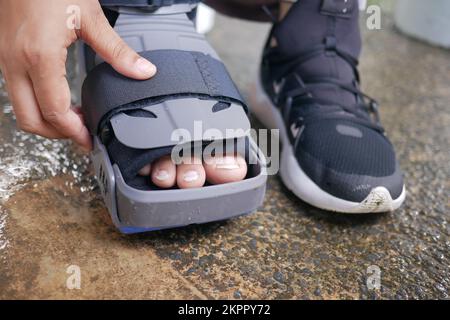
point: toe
(225, 169)
(191, 174)
(145, 171)
(164, 173)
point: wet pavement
(51, 214)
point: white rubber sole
(378, 200)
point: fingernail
(145, 66)
(191, 176)
(162, 175)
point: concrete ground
(51, 214)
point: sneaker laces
(364, 112)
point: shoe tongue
(303, 29)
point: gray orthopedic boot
(133, 122)
(335, 152)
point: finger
(53, 95)
(26, 109)
(99, 34)
(79, 113)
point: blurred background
(52, 216)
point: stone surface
(51, 214)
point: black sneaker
(335, 154)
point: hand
(34, 37)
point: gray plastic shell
(135, 210)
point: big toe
(225, 169)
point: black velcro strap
(180, 74)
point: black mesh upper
(371, 154)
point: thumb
(102, 38)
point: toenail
(227, 166)
(228, 163)
(191, 176)
(162, 175)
